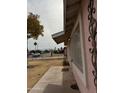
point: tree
(35, 43)
(34, 29)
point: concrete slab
(55, 81)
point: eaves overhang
(59, 37)
(71, 10)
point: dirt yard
(37, 68)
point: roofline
(58, 34)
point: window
(75, 46)
(77, 50)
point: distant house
(79, 37)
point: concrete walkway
(46, 58)
(55, 81)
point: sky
(51, 17)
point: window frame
(83, 74)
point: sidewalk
(55, 81)
(46, 58)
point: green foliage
(34, 29)
(58, 51)
(35, 51)
(35, 43)
(46, 51)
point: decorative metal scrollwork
(92, 38)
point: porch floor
(55, 81)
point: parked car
(36, 55)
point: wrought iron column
(92, 37)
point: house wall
(88, 85)
(89, 67)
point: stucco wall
(90, 79)
(89, 87)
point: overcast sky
(51, 17)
